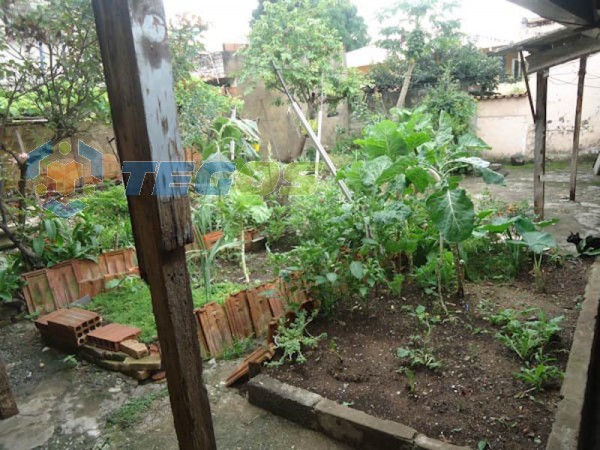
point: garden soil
(474, 397)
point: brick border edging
(568, 426)
(341, 423)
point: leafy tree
(447, 97)
(199, 103)
(342, 15)
(51, 70)
(463, 62)
(416, 28)
(296, 37)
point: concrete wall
(33, 136)
(278, 124)
(507, 125)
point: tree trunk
(31, 259)
(407, 78)
(22, 194)
(311, 114)
(8, 405)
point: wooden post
(526, 77)
(8, 405)
(137, 65)
(539, 169)
(577, 131)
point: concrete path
(581, 216)
(62, 406)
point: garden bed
(474, 397)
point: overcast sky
(228, 19)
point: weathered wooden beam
(539, 152)
(137, 64)
(526, 77)
(560, 54)
(8, 405)
(577, 131)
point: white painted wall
(507, 125)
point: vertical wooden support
(8, 405)
(137, 65)
(539, 169)
(526, 77)
(577, 131)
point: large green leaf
(539, 242)
(381, 139)
(373, 169)
(453, 214)
(482, 166)
(357, 270)
(420, 177)
(472, 142)
(492, 177)
(393, 213)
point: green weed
(131, 412)
(129, 302)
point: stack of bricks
(113, 347)
(68, 328)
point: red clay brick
(260, 310)
(238, 314)
(215, 327)
(37, 292)
(110, 336)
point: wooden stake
(137, 64)
(526, 77)
(577, 131)
(8, 405)
(539, 169)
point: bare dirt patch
(474, 396)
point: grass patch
(239, 348)
(129, 303)
(131, 412)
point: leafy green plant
(292, 337)
(71, 361)
(107, 207)
(240, 212)
(425, 319)
(447, 96)
(128, 283)
(426, 275)
(419, 357)
(130, 302)
(396, 284)
(527, 337)
(10, 281)
(539, 375)
(523, 233)
(238, 349)
(57, 241)
(204, 221)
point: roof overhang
(566, 12)
(556, 48)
